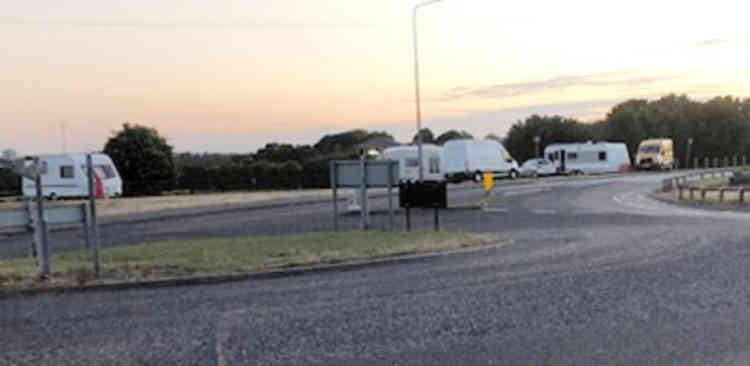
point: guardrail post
(695, 163)
(742, 195)
(679, 193)
(706, 162)
(721, 195)
(744, 160)
(703, 194)
(691, 189)
(716, 163)
(734, 161)
(726, 161)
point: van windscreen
(649, 149)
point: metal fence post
(716, 163)
(726, 161)
(92, 207)
(744, 160)
(706, 163)
(695, 163)
(734, 161)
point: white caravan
(65, 176)
(470, 159)
(589, 157)
(408, 162)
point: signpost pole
(390, 195)
(363, 192)
(333, 170)
(41, 229)
(92, 206)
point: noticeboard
(348, 173)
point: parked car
(589, 157)
(470, 159)
(537, 167)
(65, 176)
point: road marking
(525, 191)
(543, 211)
(496, 209)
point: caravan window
(572, 156)
(434, 165)
(551, 157)
(411, 162)
(104, 171)
(602, 156)
(66, 171)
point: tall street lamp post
(416, 84)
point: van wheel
(478, 177)
(513, 174)
(52, 197)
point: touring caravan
(655, 154)
(65, 176)
(470, 159)
(408, 159)
(589, 157)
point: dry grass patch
(180, 259)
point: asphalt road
(594, 273)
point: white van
(589, 157)
(470, 159)
(65, 176)
(655, 153)
(408, 159)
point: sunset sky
(229, 76)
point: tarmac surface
(595, 272)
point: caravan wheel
(478, 177)
(52, 197)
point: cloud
(708, 42)
(125, 23)
(557, 83)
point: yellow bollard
(489, 183)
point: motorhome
(588, 157)
(408, 159)
(470, 159)
(655, 153)
(65, 176)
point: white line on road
(543, 211)
(525, 191)
(496, 209)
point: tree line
(719, 127)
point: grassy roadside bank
(181, 259)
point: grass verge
(189, 259)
